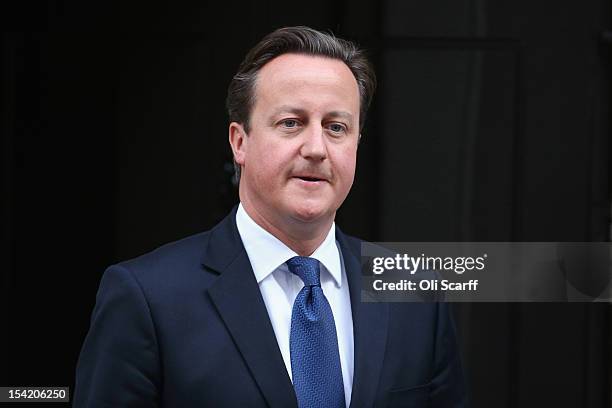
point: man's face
(298, 160)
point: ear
(238, 142)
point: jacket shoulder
(173, 261)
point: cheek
(346, 164)
(269, 163)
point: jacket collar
(370, 321)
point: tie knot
(308, 269)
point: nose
(314, 146)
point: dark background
(492, 123)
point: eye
(337, 128)
(289, 123)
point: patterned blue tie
(315, 360)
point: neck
(302, 237)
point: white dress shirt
(279, 288)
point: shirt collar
(267, 253)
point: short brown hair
(300, 40)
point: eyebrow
(341, 114)
(288, 109)
(299, 111)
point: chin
(310, 213)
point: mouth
(311, 179)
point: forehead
(308, 79)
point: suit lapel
(238, 300)
(370, 321)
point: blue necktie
(315, 360)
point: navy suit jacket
(186, 326)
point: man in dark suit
(264, 309)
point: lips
(310, 178)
